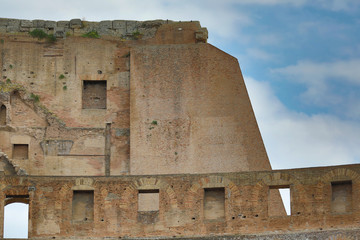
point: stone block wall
(117, 28)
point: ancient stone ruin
(143, 130)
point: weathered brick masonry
(182, 204)
(135, 130)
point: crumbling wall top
(116, 28)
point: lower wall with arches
(323, 203)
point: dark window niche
(2, 115)
(20, 151)
(83, 206)
(148, 206)
(341, 197)
(94, 94)
(214, 203)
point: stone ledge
(320, 235)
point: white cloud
(268, 39)
(270, 2)
(308, 71)
(295, 139)
(338, 5)
(259, 54)
(322, 81)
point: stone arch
(3, 115)
(16, 194)
(147, 183)
(129, 198)
(17, 199)
(64, 200)
(280, 179)
(277, 179)
(340, 174)
(196, 192)
(65, 191)
(211, 182)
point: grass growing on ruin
(61, 76)
(9, 86)
(51, 38)
(137, 35)
(40, 34)
(35, 97)
(91, 34)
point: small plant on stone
(2, 41)
(154, 122)
(136, 35)
(91, 34)
(8, 81)
(61, 76)
(11, 66)
(51, 38)
(65, 87)
(35, 97)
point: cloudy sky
(300, 60)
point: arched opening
(16, 217)
(2, 115)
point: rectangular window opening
(94, 94)
(341, 197)
(20, 151)
(148, 200)
(83, 206)
(2, 115)
(214, 203)
(279, 201)
(16, 216)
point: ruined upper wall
(184, 206)
(56, 73)
(180, 102)
(117, 28)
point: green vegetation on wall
(40, 34)
(91, 34)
